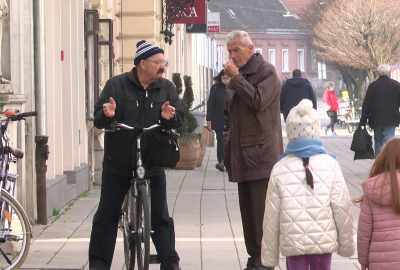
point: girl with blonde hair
(378, 238)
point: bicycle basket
(160, 147)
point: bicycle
(15, 229)
(135, 220)
(352, 115)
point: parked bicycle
(135, 220)
(353, 114)
(15, 230)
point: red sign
(212, 29)
(188, 12)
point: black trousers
(333, 118)
(252, 196)
(220, 144)
(105, 221)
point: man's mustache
(161, 70)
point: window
(258, 50)
(300, 59)
(313, 60)
(271, 58)
(285, 60)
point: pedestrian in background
(378, 241)
(215, 114)
(252, 134)
(330, 98)
(295, 90)
(381, 107)
(308, 212)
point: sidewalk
(204, 205)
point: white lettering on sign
(189, 12)
(213, 22)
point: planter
(189, 153)
(203, 149)
(201, 120)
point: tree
(361, 34)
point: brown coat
(252, 132)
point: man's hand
(230, 69)
(209, 123)
(109, 108)
(167, 111)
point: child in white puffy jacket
(308, 207)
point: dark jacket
(252, 132)
(294, 91)
(381, 103)
(215, 106)
(134, 105)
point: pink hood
(377, 189)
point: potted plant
(188, 142)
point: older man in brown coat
(252, 135)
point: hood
(297, 82)
(377, 189)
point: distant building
(276, 33)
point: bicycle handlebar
(117, 126)
(10, 114)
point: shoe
(334, 133)
(220, 166)
(174, 266)
(326, 131)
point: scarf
(305, 148)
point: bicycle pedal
(14, 238)
(153, 259)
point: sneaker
(334, 133)
(326, 131)
(220, 166)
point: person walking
(139, 97)
(215, 114)
(295, 90)
(378, 242)
(252, 134)
(308, 212)
(330, 98)
(381, 107)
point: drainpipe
(40, 105)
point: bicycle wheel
(143, 229)
(128, 235)
(15, 233)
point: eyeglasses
(165, 63)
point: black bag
(160, 147)
(362, 144)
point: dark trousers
(220, 144)
(333, 117)
(252, 205)
(105, 221)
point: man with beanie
(295, 90)
(252, 135)
(139, 97)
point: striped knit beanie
(145, 50)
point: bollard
(42, 154)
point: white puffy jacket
(299, 220)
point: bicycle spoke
(5, 257)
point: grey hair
(244, 37)
(383, 70)
(330, 84)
